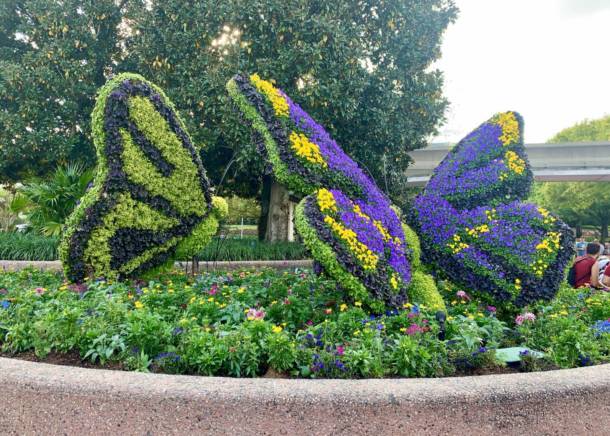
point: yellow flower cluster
(546, 216)
(510, 127)
(548, 246)
(279, 103)
(514, 162)
(491, 214)
(476, 231)
(326, 201)
(384, 232)
(539, 267)
(362, 252)
(550, 243)
(359, 212)
(517, 284)
(394, 282)
(306, 149)
(457, 245)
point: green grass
(252, 249)
(30, 246)
(27, 246)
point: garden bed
(293, 324)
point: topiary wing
(473, 227)
(150, 191)
(308, 161)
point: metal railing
(569, 161)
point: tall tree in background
(580, 203)
(53, 57)
(361, 68)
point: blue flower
(5, 304)
(169, 356)
(602, 327)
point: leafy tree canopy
(53, 57)
(588, 130)
(580, 203)
(361, 68)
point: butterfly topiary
(150, 197)
(474, 227)
(345, 220)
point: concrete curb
(48, 399)
(55, 265)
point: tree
(588, 130)
(580, 203)
(53, 57)
(361, 68)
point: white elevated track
(570, 161)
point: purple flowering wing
(353, 247)
(488, 166)
(305, 158)
(474, 229)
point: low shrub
(27, 246)
(30, 246)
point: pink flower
(340, 350)
(40, 291)
(213, 290)
(286, 301)
(462, 294)
(491, 309)
(411, 315)
(253, 314)
(310, 322)
(528, 316)
(3, 291)
(413, 329)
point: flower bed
(287, 324)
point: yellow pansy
(510, 127)
(279, 103)
(306, 149)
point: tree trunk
(578, 231)
(604, 232)
(265, 199)
(280, 212)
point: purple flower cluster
(369, 234)
(474, 228)
(476, 171)
(374, 202)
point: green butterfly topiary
(150, 196)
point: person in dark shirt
(586, 268)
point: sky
(547, 59)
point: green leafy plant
(47, 203)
